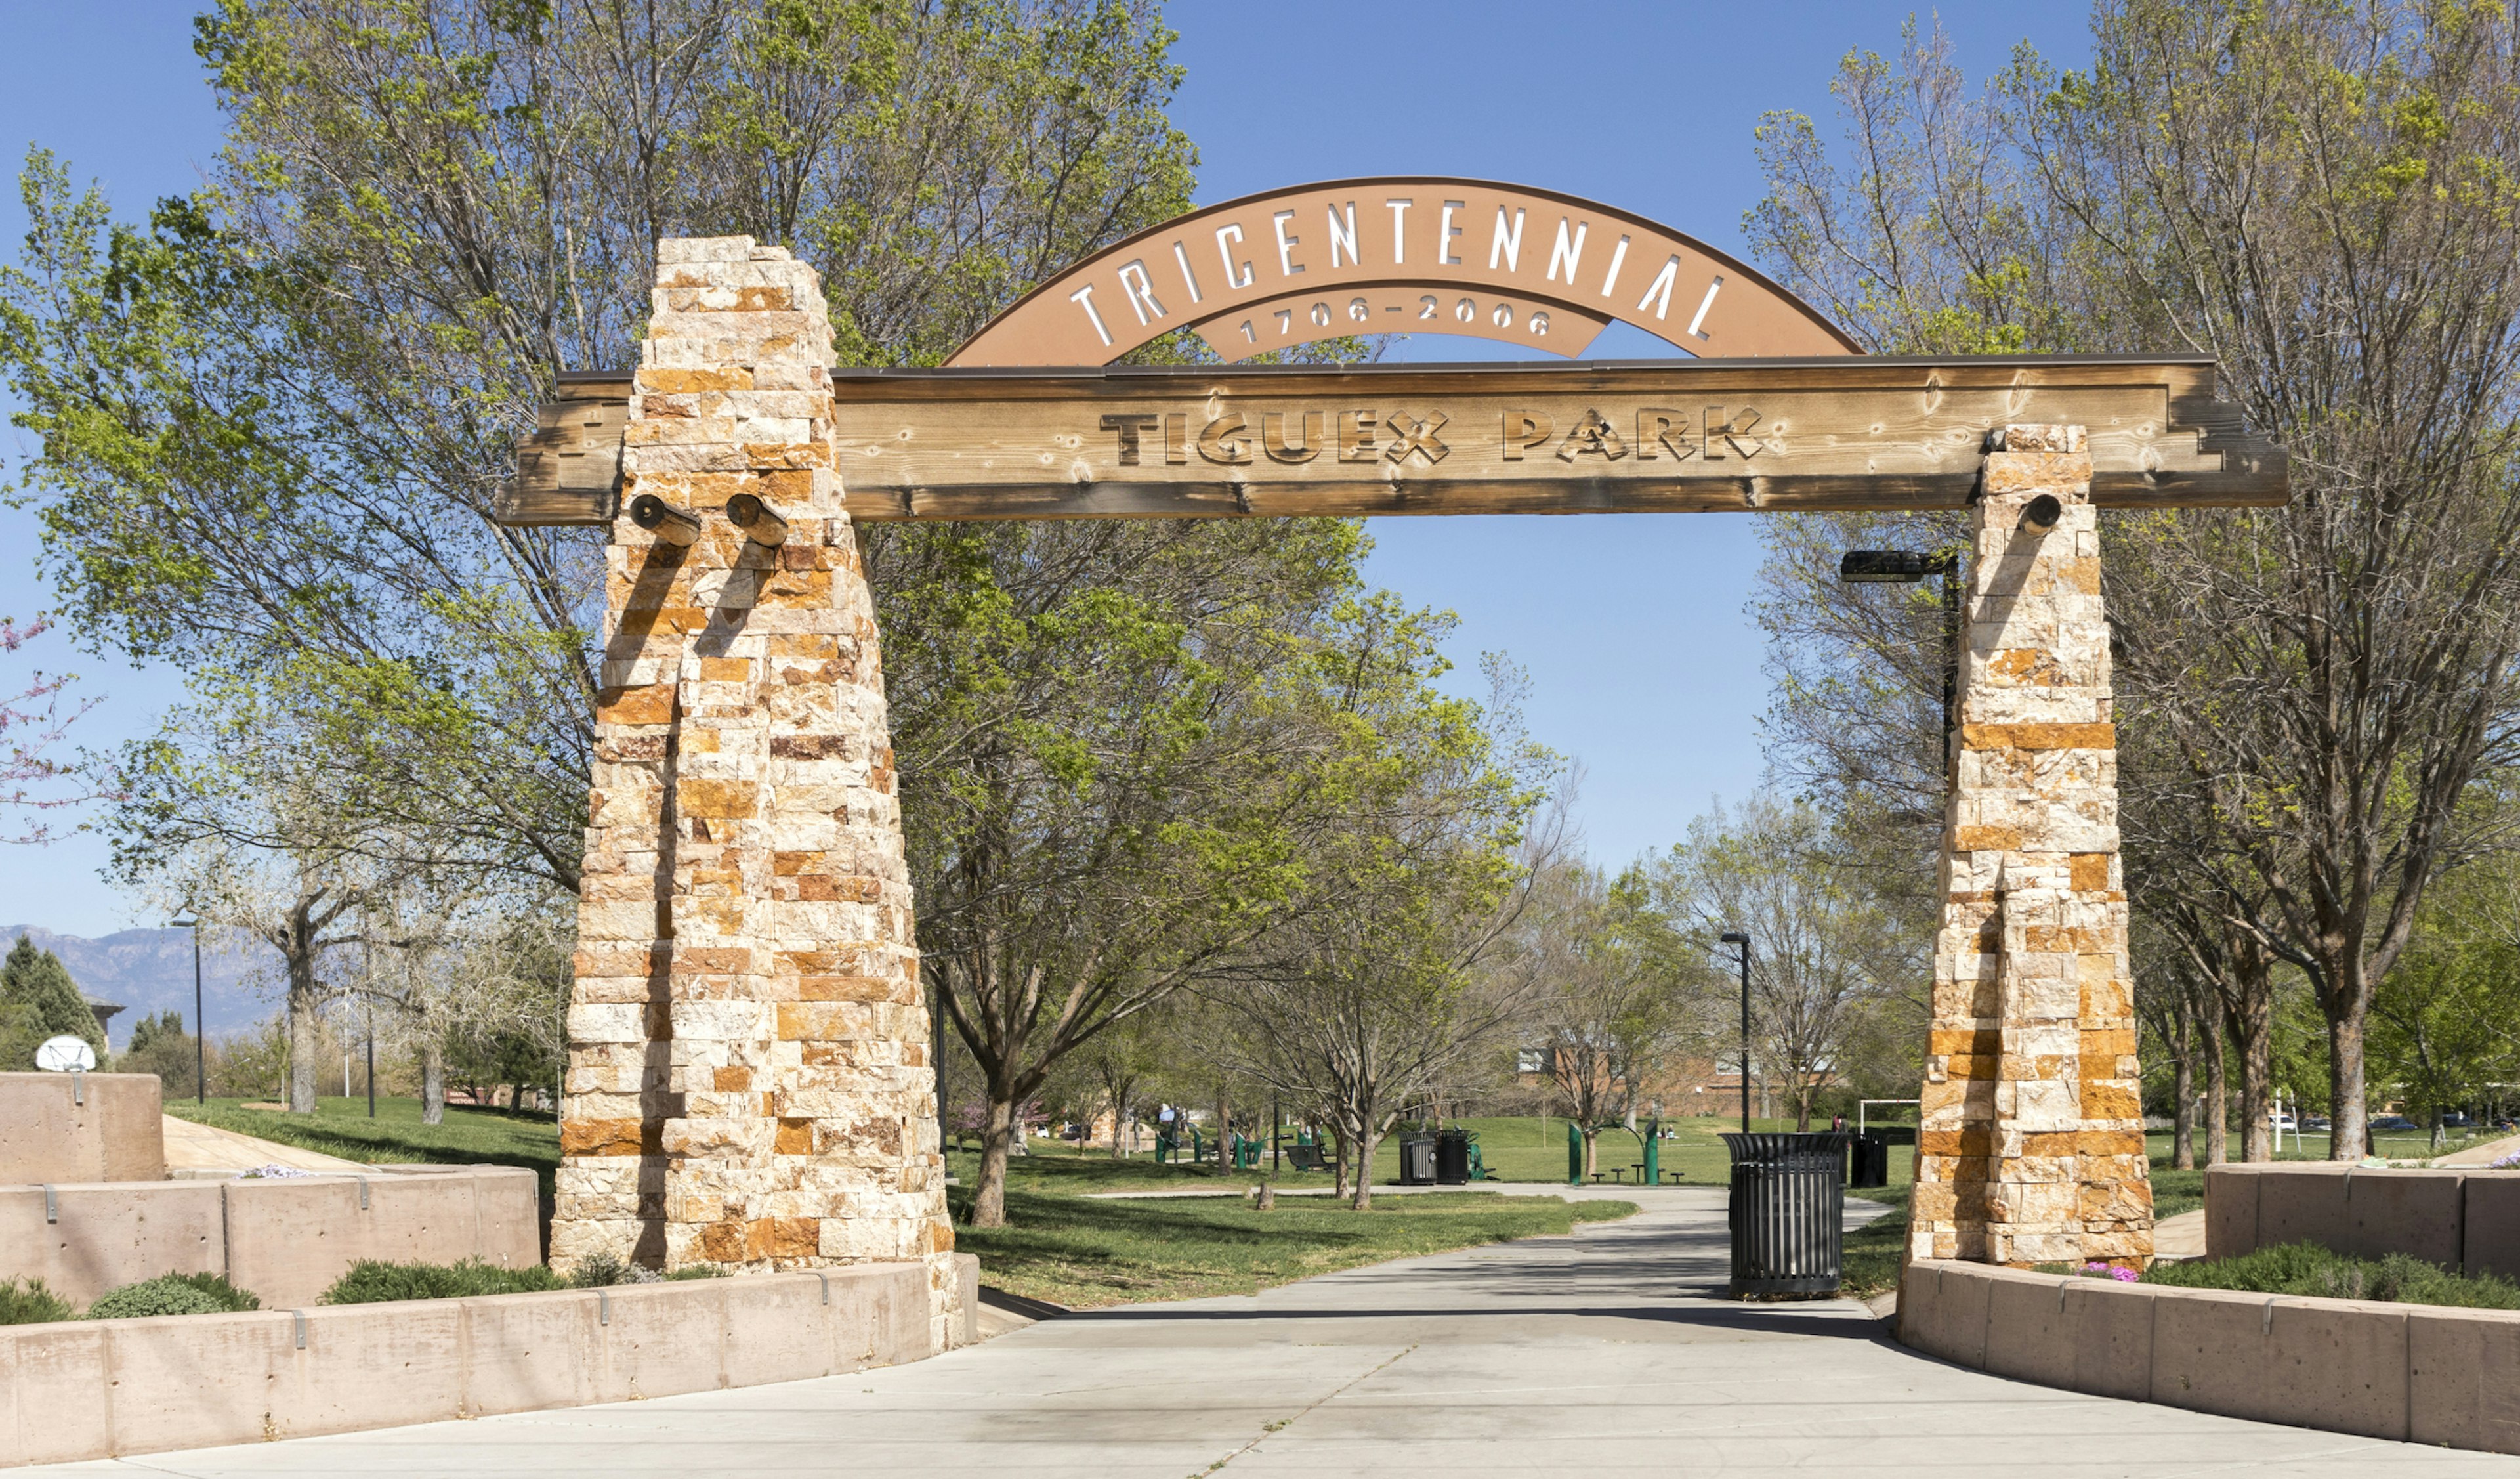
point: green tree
(160, 1045)
(271, 418)
(47, 1000)
(1819, 953)
(2328, 199)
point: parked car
(2317, 1123)
(2395, 1121)
(2454, 1120)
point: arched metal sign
(1404, 253)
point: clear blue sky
(1643, 665)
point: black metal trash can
(1418, 1161)
(1788, 1211)
(1870, 1162)
(1453, 1157)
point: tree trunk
(2350, 1138)
(432, 1082)
(2218, 1106)
(1366, 1143)
(989, 1201)
(2182, 1091)
(2250, 1022)
(1802, 1112)
(1224, 1136)
(2253, 1038)
(1592, 1155)
(303, 1044)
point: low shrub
(604, 1271)
(31, 1304)
(2309, 1271)
(174, 1294)
(371, 1282)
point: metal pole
(201, 1027)
(1745, 1036)
(372, 1061)
(1276, 1131)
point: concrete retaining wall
(2409, 1372)
(2467, 1219)
(81, 1127)
(91, 1390)
(287, 1240)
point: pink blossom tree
(32, 721)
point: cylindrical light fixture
(2040, 515)
(670, 525)
(758, 521)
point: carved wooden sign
(1403, 255)
(1674, 435)
(1670, 435)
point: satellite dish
(65, 1054)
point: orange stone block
(1970, 1040)
(611, 1137)
(729, 799)
(2038, 736)
(733, 1080)
(2104, 1101)
(784, 1237)
(726, 670)
(647, 704)
(691, 382)
(2091, 873)
(848, 989)
(794, 1137)
(822, 887)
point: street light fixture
(201, 1057)
(1902, 567)
(1742, 942)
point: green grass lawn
(341, 1128)
(1082, 1252)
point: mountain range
(150, 971)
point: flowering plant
(2106, 1271)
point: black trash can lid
(1786, 1147)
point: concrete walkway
(1597, 1354)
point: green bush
(2307, 1270)
(31, 1304)
(174, 1294)
(370, 1282)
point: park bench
(1306, 1158)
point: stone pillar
(748, 1081)
(2032, 1149)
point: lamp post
(1742, 942)
(1901, 567)
(201, 1059)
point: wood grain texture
(1679, 435)
(569, 471)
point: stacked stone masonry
(2031, 1147)
(748, 1081)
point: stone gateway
(749, 1083)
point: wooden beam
(569, 471)
(1663, 436)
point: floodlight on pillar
(670, 525)
(759, 523)
(2040, 515)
